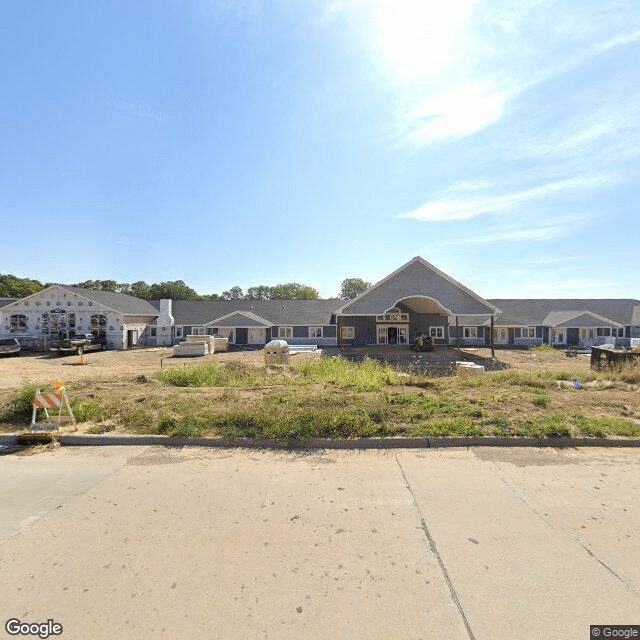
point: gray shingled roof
(534, 311)
(277, 312)
(127, 305)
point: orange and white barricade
(53, 400)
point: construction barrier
(46, 401)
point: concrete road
(128, 542)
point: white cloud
(567, 288)
(618, 40)
(456, 113)
(533, 234)
(445, 210)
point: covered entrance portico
(417, 299)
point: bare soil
(116, 366)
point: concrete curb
(328, 443)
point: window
(436, 332)
(178, 332)
(197, 331)
(592, 334)
(603, 331)
(153, 331)
(528, 332)
(382, 335)
(18, 323)
(285, 332)
(501, 335)
(470, 332)
(348, 333)
(315, 332)
(99, 325)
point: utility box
(276, 352)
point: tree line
(14, 287)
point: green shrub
(20, 406)
(88, 410)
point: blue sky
(251, 142)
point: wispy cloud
(463, 209)
(618, 40)
(569, 286)
(512, 234)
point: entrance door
(392, 335)
(573, 337)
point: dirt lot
(123, 365)
(108, 365)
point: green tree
(235, 293)
(140, 289)
(261, 292)
(352, 288)
(294, 291)
(14, 287)
(173, 289)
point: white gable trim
(428, 265)
(246, 314)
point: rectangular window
(436, 332)
(348, 333)
(382, 335)
(153, 331)
(197, 331)
(528, 332)
(604, 331)
(178, 332)
(285, 332)
(315, 332)
(470, 332)
(592, 334)
(18, 323)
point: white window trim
(471, 331)
(153, 332)
(179, 332)
(439, 331)
(348, 333)
(527, 332)
(198, 331)
(313, 330)
(283, 331)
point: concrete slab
(156, 542)
(516, 572)
(201, 544)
